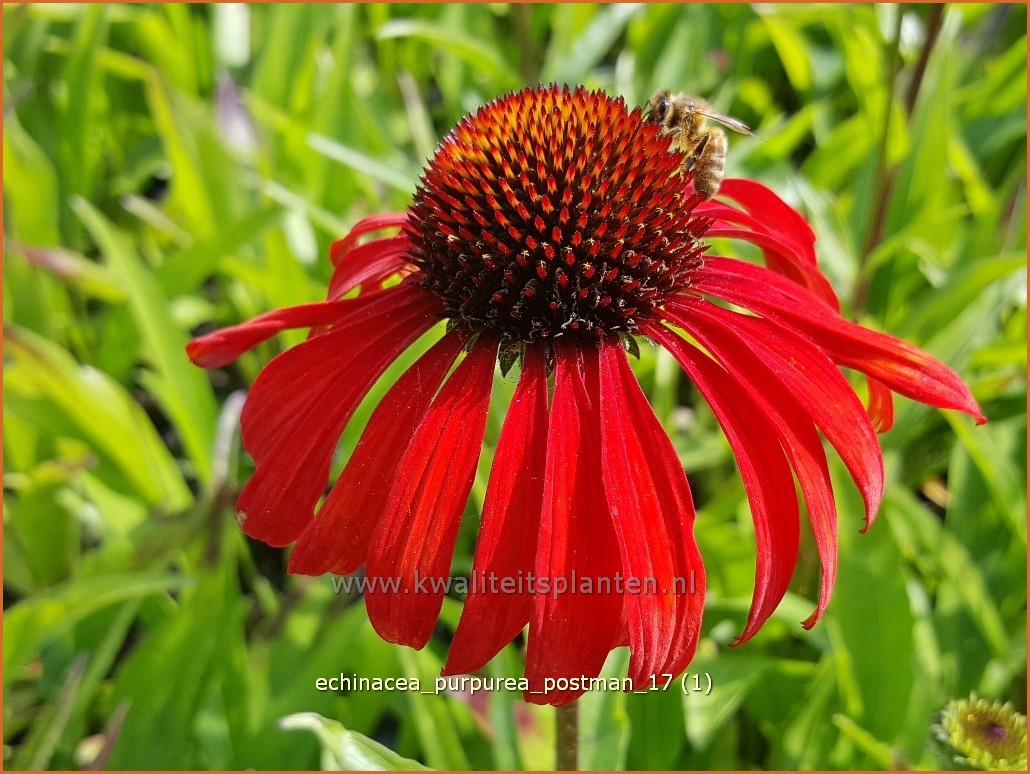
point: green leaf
(101, 660)
(790, 45)
(505, 707)
(36, 621)
(571, 61)
(363, 163)
(101, 410)
(434, 717)
(479, 54)
(286, 52)
(184, 270)
(182, 135)
(920, 534)
(871, 608)
(344, 750)
(37, 751)
(804, 741)
(878, 751)
(194, 641)
(182, 390)
(31, 190)
(603, 722)
(75, 269)
(1002, 479)
(39, 532)
(733, 676)
(76, 121)
(657, 723)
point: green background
(142, 629)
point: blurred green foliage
(169, 167)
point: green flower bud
(983, 735)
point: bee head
(658, 106)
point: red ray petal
(881, 405)
(339, 537)
(763, 466)
(223, 346)
(794, 425)
(730, 218)
(373, 262)
(646, 546)
(341, 247)
(786, 238)
(899, 365)
(653, 513)
(805, 371)
(511, 523)
(263, 422)
(782, 261)
(300, 403)
(571, 633)
(413, 542)
(781, 217)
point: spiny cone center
(554, 213)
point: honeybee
(683, 116)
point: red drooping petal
(899, 365)
(506, 551)
(779, 260)
(413, 542)
(881, 405)
(763, 467)
(372, 262)
(786, 239)
(782, 404)
(571, 632)
(653, 513)
(339, 537)
(780, 216)
(645, 542)
(263, 424)
(223, 346)
(372, 223)
(302, 400)
(805, 371)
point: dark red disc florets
(554, 213)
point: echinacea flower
(553, 228)
(985, 735)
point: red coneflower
(551, 228)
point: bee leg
(696, 153)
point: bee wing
(728, 121)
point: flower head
(548, 215)
(985, 735)
(552, 228)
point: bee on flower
(553, 229)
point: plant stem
(566, 744)
(886, 174)
(933, 30)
